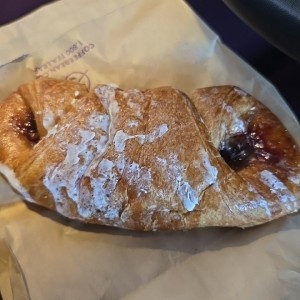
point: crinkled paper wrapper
(135, 44)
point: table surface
(282, 71)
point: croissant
(148, 160)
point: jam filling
(240, 149)
(27, 127)
(237, 150)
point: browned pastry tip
(49, 99)
(148, 160)
(254, 143)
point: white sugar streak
(48, 120)
(138, 177)
(278, 188)
(175, 173)
(237, 125)
(65, 177)
(295, 179)
(258, 203)
(121, 137)
(104, 185)
(109, 172)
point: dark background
(274, 65)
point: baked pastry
(148, 160)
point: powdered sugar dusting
(139, 177)
(216, 186)
(67, 173)
(187, 194)
(258, 204)
(63, 180)
(295, 179)
(104, 184)
(48, 120)
(121, 137)
(272, 181)
(211, 172)
(109, 172)
(133, 123)
(106, 94)
(103, 177)
(237, 125)
(101, 121)
(278, 188)
(136, 107)
(119, 140)
(175, 173)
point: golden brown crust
(148, 160)
(50, 99)
(269, 157)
